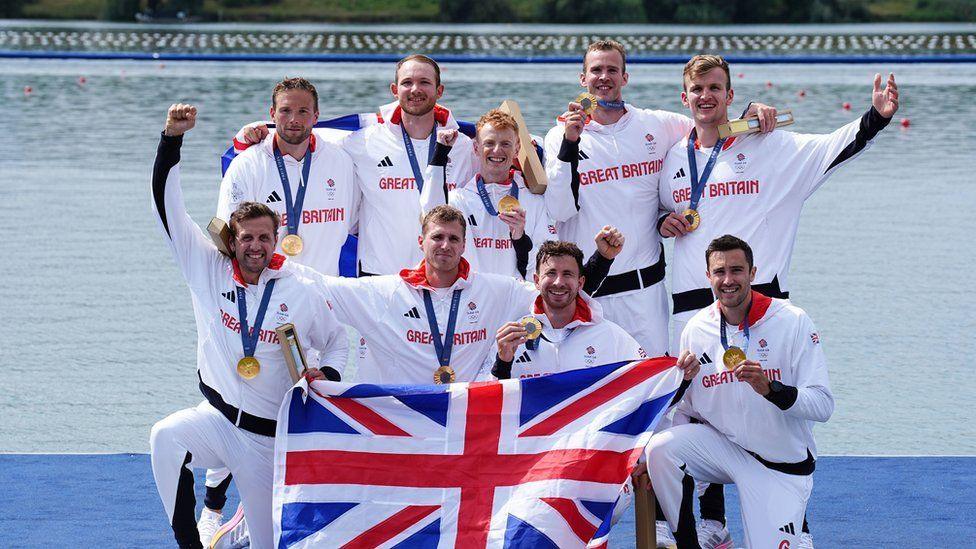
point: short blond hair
(499, 120)
(607, 45)
(443, 214)
(701, 64)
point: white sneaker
(665, 539)
(208, 524)
(233, 534)
(712, 534)
(806, 541)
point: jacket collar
(391, 114)
(274, 270)
(588, 311)
(725, 146)
(760, 304)
(417, 277)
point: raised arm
(435, 176)
(562, 165)
(192, 249)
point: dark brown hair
(422, 59)
(444, 214)
(252, 210)
(727, 243)
(558, 248)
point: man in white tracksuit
(242, 371)
(604, 169)
(574, 333)
(429, 324)
(325, 202)
(756, 188)
(762, 385)
(498, 241)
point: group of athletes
(506, 283)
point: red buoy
(28, 90)
(82, 80)
(803, 93)
(905, 122)
(846, 106)
(769, 84)
(741, 75)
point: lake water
(99, 340)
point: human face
(416, 88)
(254, 244)
(730, 277)
(295, 115)
(496, 149)
(603, 74)
(443, 244)
(558, 280)
(708, 96)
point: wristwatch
(776, 387)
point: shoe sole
(227, 526)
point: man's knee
(165, 435)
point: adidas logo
(412, 313)
(385, 163)
(231, 296)
(273, 197)
(583, 156)
(523, 358)
(681, 173)
(788, 529)
(471, 221)
(705, 359)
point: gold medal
(733, 357)
(533, 327)
(248, 367)
(444, 374)
(508, 203)
(292, 244)
(693, 217)
(587, 101)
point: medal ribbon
(698, 184)
(294, 209)
(248, 339)
(611, 104)
(745, 332)
(486, 200)
(442, 347)
(418, 175)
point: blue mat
(110, 500)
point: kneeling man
(762, 385)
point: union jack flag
(536, 462)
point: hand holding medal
(751, 372)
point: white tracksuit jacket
(488, 244)
(213, 280)
(615, 182)
(588, 340)
(389, 310)
(390, 213)
(786, 343)
(332, 198)
(756, 192)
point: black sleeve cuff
(872, 122)
(568, 150)
(745, 110)
(660, 222)
(502, 368)
(441, 151)
(523, 246)
(783, 399)
(595, 270)
(170, 140)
